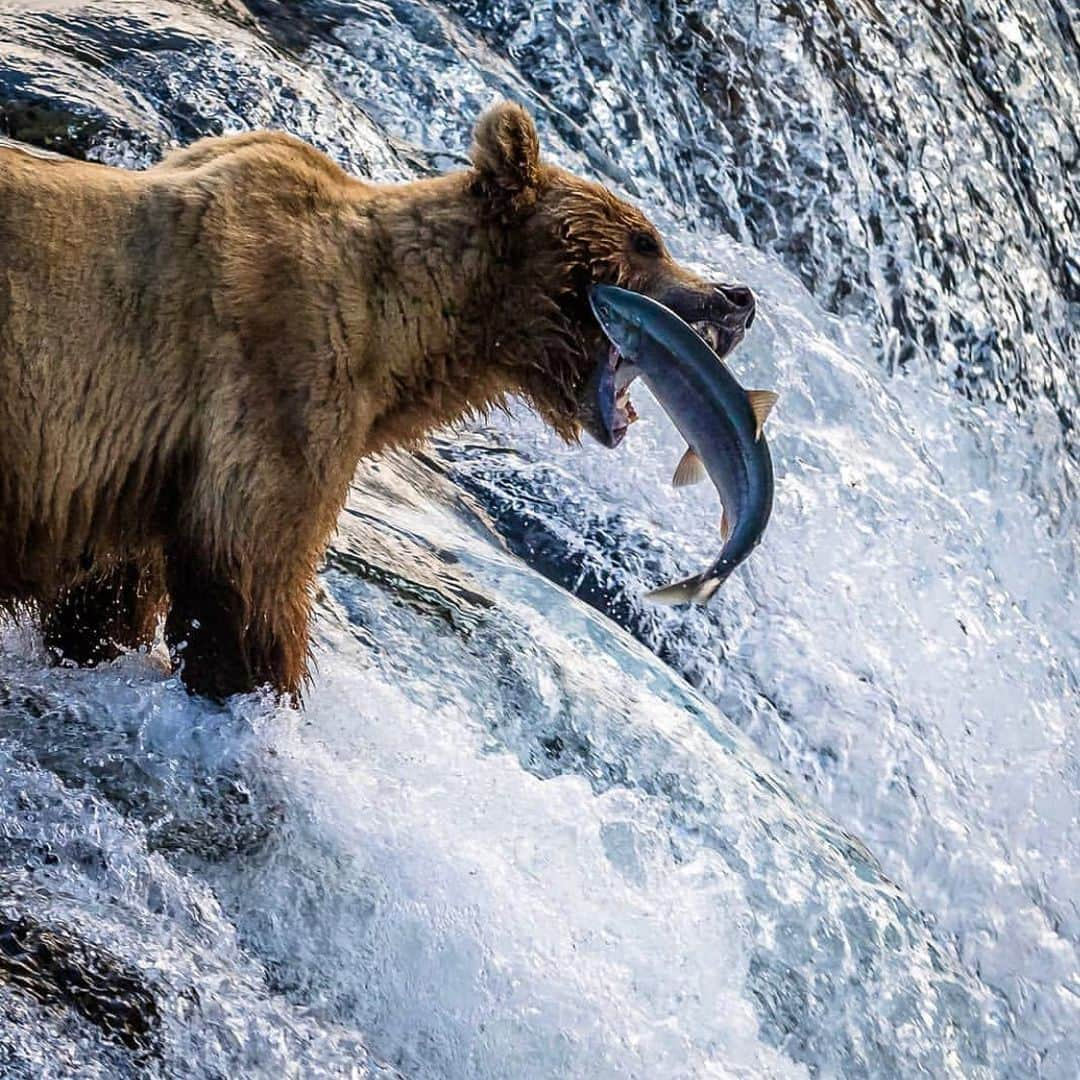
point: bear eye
(646, 244)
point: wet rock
(59, 969)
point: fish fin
(761, 403)
(690, 470)
(725, 526)
(698, 589)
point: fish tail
(698, 589)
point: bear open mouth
(606, 410)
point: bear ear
(506, 154)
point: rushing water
(527, 826)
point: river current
(528, 826)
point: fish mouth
(605, 410)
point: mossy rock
(49, 126)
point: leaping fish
(721, 422)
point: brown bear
(194, 358)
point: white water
(904, 645)
(504, 838)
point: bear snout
(740, 303)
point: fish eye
(646, 244)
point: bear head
(558, 235)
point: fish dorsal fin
(689, 471)
(761, 403)
(725, 526)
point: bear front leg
(114, 609)
(228, 644)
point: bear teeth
(711, 333)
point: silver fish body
(720, 420)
